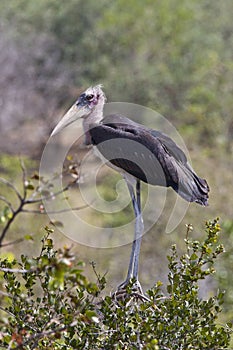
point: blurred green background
(174, 56)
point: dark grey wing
(123, 146)
(171, 146)
(149, 155)
(183, 179)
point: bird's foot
(130, 289)
(132, 284)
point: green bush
(48, 303)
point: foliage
(52, 305)
(172, 55)
(51, 301)
(29, 200)
(224, 274)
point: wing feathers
(149, 155)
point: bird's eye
(89, 97)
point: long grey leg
(139, 227)
(134, 257)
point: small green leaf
(48, 229)
(49, 242)
(193, 257)
(29, 185)
(28, 238)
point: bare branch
(2, 198)
(6, 269)
(31, 200)
(19, 240)
(5, 294)
(46, 334)
(9, 184)
(52, 195)
(7, 311)
(37, 336)
(9, 222)
(54, 211)
(24, 173)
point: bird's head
(92, 97)
(90, 100)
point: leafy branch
(31, 195)
(69, 312)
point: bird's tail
(194, 188)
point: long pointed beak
(73, 114)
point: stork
(138, 153)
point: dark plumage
(159, 162)
(139, 154)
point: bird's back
(148, 155)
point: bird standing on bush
(138, 153)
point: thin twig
(10, 343)
(37, 336)
(6, 269)
(5, 294)
(53, 211)
(2, 198)
(19, 240)
(9, 184)
(45, 334)
(7, 311)
(52, 195)
(9, 222)
(25, 201)
(24, 173)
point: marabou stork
(138, 153)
